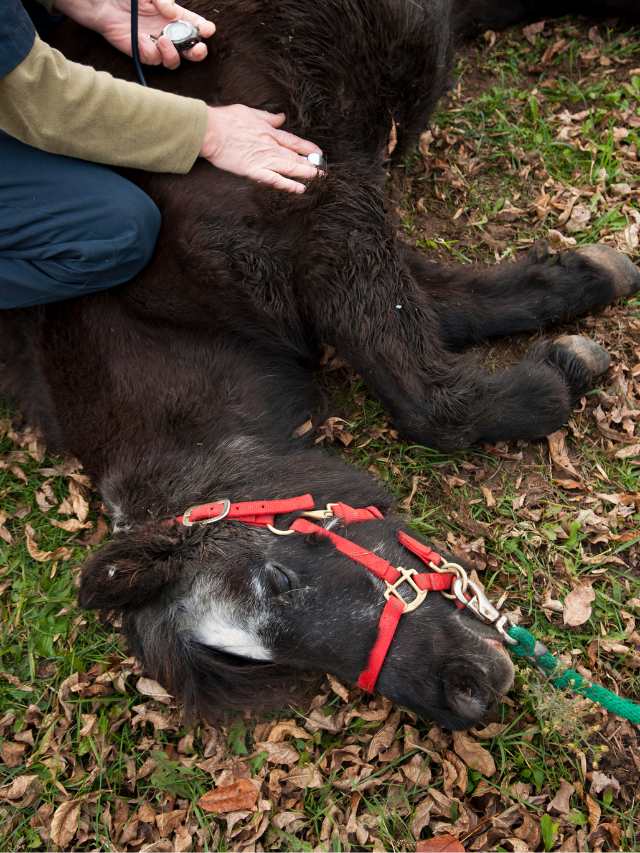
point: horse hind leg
(473, 303)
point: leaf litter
(96, 755)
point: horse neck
(240, 468)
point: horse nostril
(462, 684)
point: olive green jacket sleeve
(72, 109)
(49, 6)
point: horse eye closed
(281, 577)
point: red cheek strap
(396, 604)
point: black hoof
(626, 277)
(591, 354)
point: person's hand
(112, 19)
(247, 142)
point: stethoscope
(184, 36)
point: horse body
(187, 384)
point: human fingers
(207, 28)
(195, 53)
(266, 176)
(294, 166)
(274, 119)
(170, 56)
(149, 53)
(288, 140)
(294, 143)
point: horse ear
(131, 571)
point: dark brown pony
(188, 383)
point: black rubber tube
(134, 43)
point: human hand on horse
(238, 139)
(112, 19)
(247, 142)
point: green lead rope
(538, 655)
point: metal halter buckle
(320, 514)
(446, 567)
(406, 577)
(226, 506)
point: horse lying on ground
(186, 385)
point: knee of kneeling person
(138, 227)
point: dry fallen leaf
(338, 688)
(488, 496)
(72, 525)
(473, 755)
(580, 215)
(37, 554)
(12, 753)
(16, 790)
(149, 687)
(241, 795)
(594, 812)
(577, 605)
(440, 844)
(303, 430)
(65, 823)
(305, 777)
(532, 31)
(383, 739)
(626, 452)
(421, 817)
(168, 821)
(559, 454)
(16, 682)
(279, 732)
(600, 782)
(562, 800)
(279, 753)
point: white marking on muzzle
(224, 625)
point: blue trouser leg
(67, 227)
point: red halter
(261, 514)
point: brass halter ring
(406, 576)
(226, 506)
(446, 567)
(318, 514)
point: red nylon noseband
(262, 514)
(395, 606)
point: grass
(92, 745)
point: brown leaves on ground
(64, 823)
(577, 605)
(45, 500)
(441, 844)
(473, 755)
(559, 455)
(423, 773)
(240, 795)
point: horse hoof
(591, 354)
(626, 277)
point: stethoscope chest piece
(183, 34)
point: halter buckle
(320, 514)
(226, 506)
(462, 578)
(406, 577)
